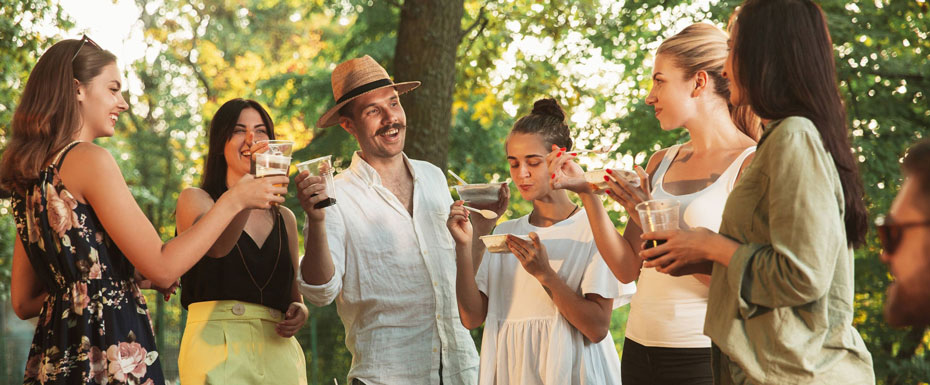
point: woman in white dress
(546, 305)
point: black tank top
(238, 276)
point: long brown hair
(783, 59)
(221, 129)
(48, 115)
(703, 47)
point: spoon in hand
(487, 214)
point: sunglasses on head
(889, 232)
(84, 39)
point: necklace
(261, 289)
(571, 213)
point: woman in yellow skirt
(242, 301)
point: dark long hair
(783, 59)
(221, 129)
(48, 115)
(547, 120)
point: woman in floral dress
(80, 248)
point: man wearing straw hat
(382, 252)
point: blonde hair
(703, 47)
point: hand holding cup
(259, 193)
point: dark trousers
(646, 365)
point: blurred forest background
(482, 64)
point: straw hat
(355, 78)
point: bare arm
(193, 203)
(473, 304)
(27, 294)
(92, 174)
(316, 267)
(618, 251)
(297, 312)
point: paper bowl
(596, 177)
(478, 192)
(497, 243)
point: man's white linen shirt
(394, 281)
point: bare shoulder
(193, 194)
(90, 156)
(289, 218)
(88, 166)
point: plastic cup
(279, 147)
(658, 215)
(267, 164)
(321, 166)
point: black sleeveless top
(239, 274)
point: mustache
(387, 128)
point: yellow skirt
(233, 342)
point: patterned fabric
(94, 327)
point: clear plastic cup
(279, 147)
(267, 164)
(321, 166)
(658, 215)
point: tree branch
(479, 20)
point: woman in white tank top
(665, 343)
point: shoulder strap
(61, 154)
(659, 175)
(733, 171)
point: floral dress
(94, 327)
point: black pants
(645, 365)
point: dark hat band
(365, 88)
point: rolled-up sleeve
(322, 295)
(806, 229)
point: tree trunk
(427, 41)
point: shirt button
(238, 309)
(435, 350)
(425, 252)
(274, 313)
(435, 284)
(438, 316)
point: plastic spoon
(487, 214)
(458, 178)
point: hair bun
(549, 107)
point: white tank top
(669, 311)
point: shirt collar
(768, 129)
(369, 175)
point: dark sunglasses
(84, 39)
(889, 233)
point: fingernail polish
(606, 178)
(574, 154)
(553, 176)
(609, 171)
(607, 192)
(563, 149)
(558, 155)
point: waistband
(231, 310)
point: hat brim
(331, 117)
